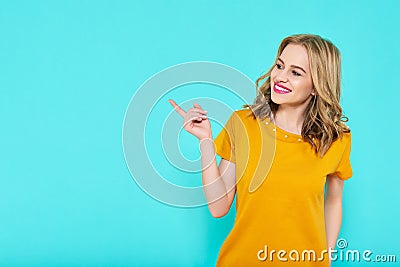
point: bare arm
(218, 182)
(333, 209)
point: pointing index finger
(177, 108)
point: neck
(290, 118)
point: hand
(194, 120)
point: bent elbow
(220, 214)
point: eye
(278, 66)
(295, 73)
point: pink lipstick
(280, 89)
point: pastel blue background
(68, 70)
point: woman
(277, 156)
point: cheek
(272, 77)
(302, 86)
(273, 72)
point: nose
(281, 76)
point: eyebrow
(294, 66)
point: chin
(277, 99)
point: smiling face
(291, 82)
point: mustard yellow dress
(280, 193)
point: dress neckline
(280, 133)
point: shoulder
(341, 143)
(346, 138)
(243, 114)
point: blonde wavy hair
(323, 118)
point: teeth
(282, 89)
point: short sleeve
(344, 170)
(225, 141)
